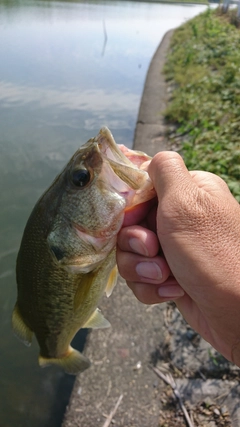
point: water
(66, 69)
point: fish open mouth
(119, 152)
(129, 166)
(108, 147)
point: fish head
(94, 196)
(99, 183)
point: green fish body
(67, 256)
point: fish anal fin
(97, 321)
(21, 330)
(73, 362)
(112, 280)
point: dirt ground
(150, 366)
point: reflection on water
(66, 69)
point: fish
(67, 256)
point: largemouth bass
(67, 255)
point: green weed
(204, 67)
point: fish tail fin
(21, 330)
(73, 362)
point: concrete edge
(150, 131)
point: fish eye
(81, 177)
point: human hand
(186, 247)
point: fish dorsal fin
(112, 280)
(97, 321)
(21, 330)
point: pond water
(66, 69)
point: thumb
(168, 173)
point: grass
(203, 67)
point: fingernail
(137, 246)
(149, 270)
(172, 292)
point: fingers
(168, 171)
(137, 268)
(146, 273)
(148, 278)
(138, 239)
(137, 256)
(155, 294)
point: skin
(185, 246)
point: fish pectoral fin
(83, 289)
(97, 321)
(112, 280)
(73, 362)
(21, 330)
